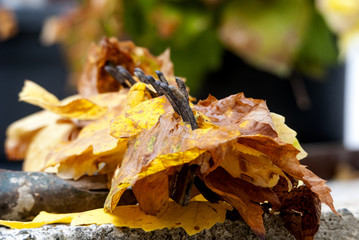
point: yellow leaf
(92, 146)
(137, 94)
(143, 116)
(41, 219)
(77, 108)
(287, 135)
(193, 218)
(44, 142)
(20, 133)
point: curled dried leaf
(79, 108)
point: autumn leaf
(43, 143)
(95, 79)
(94, 150)
(21, 132)
(300, 209)
(143, 116)
(76, 108)
(193, 219)
(241, 139)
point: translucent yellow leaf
(92, 146)
(20, 133)
(193, 218)
(287, 135)
(43, 143)
(41, 219)
(77, 108)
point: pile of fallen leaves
(147, 135)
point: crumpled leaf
(20, 133)
(143, 116)
(94, 149)
(171, 143)
(241, 139)
(300, 210)
(95, 79)
(75, 108)
(244, 196)
(44, 141)
(193, 218)
(286, 134)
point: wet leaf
(193, 219)
(75, 108)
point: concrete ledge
(331, 227)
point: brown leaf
(95, 79)
(300, 210)
(285, 158)
(152, 193)
(251, 116)
(244, 196)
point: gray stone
(331, 227)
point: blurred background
(302, 58)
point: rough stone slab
(332, 227)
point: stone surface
(332, 227)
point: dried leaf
(95, 79)
(251, 116)
(286, 134)
(143, 116)
(83, 154)
(244, 196)
(44, 141)
(94, 149)
(300, 210)
(151, 202)
(245, 152)
(20, 133)
(193, 218)
(76, 108)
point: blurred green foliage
(278, 36)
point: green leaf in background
(187, 28)
(266, 33)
